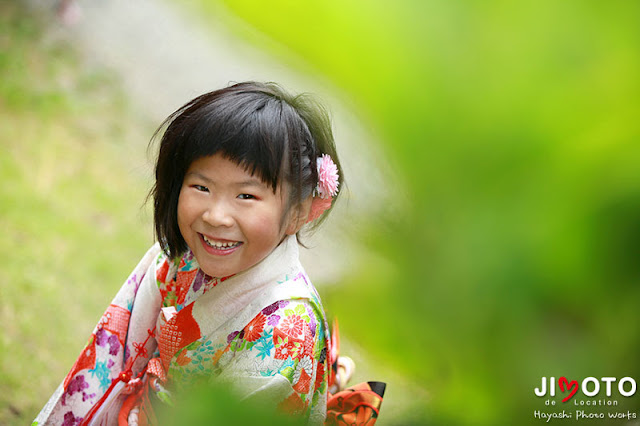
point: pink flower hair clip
(327, 187)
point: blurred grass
(515, 128)
(73, 177)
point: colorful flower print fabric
(284, 340)
(261, 331)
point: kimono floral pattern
(286, 338)
(104, 357)
(155, 330)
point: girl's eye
(201, 188)
(246, 197)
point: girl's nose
(218, 215)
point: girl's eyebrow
(251, 182)
(200, 176)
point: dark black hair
(274, 135)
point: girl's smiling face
(229, 218)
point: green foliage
(214, 404)
(514, 130)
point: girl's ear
(298, 216)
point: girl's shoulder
(293, 315)
(294, 326)
(306, 309)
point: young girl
(222, 294)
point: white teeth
(219, 244)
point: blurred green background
(71, 199)
(510, 255)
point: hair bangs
(249, 131)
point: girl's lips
(219, 247)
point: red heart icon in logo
(572, 386)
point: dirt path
(165, 57)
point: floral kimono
(263, 331)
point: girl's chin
(222, 268)
(218, 272)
